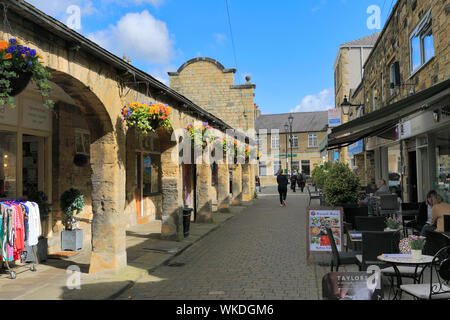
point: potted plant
(146, 117)
(417, 244)
(341, 185)
(319, 175)
(18, 66)
(72, 202)
(393, 223)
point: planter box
(41, 251)
(71, 240)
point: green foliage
(341, 185)
(319, 176)
(15, 60)
(72, 200)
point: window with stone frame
(294, 142)
(312, 141)
(275, 139)
(82, 141)
(421, 43)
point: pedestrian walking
(282, 181)
(301, 180)
(293, 181)
(258, 184)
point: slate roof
(303, 121)
(366, 41)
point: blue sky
(288, 46)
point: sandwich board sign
(317, 219)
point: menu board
(317, 221)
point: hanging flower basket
(146, 117)
(200, 134)
(18, 66)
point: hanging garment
(34, 224)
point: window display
(8, 150)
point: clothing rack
(5, 262)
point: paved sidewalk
(145, 252)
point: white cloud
(161, 73)
(220, 38)
(323, 100)
(139, 36)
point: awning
(394, 112)
(352, 138)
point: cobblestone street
(259, 254)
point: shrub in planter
(71, 201)
(146, 117)
(341, 185)
(18, 66)
(319, 175)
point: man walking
(301, 180)
(293, 181)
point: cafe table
(396, 260)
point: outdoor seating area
(386, 238)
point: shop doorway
(33, 165)
(412, 174)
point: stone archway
(107, 157)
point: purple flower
(12, 41)
(11, 49)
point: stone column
(237, 184)
(108, 201)
(172, 191)
(223, 188)
(204, 194)
(246, 195)
(252, 181)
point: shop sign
(404, 130)
(8, 115)
(334, 118)
(35, 116)
(355, 148)
(317, 221)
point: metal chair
(409, 221)
(343, 258)
(438, 289)
(351, 212)
(370, 223)
(388, 204)
(312, 196)
(434, 242)
(447, 223)
(375, 243)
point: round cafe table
(405, 260)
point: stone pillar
(237, 184)
(252, 180)
(172, 191)
(223, 188)
(246, 193)
(108, 201)
(204, 194)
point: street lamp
(286, 130)
(291, 120)
(345, 105)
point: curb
(166, 261)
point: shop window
(443, 163)
(306, 167)
(8, 157)
(276, 167)
(421, 43)
(295, 165)
(82, 141)
(151, 174)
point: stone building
(348, 73)
(308, 129)
(405, 93)
(210, 85)
(83, 143)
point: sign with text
(318, 219)
(9, 116)
(334, 118)
(352, 286)
(35, 116)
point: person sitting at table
(382, 188)
(439, 210)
